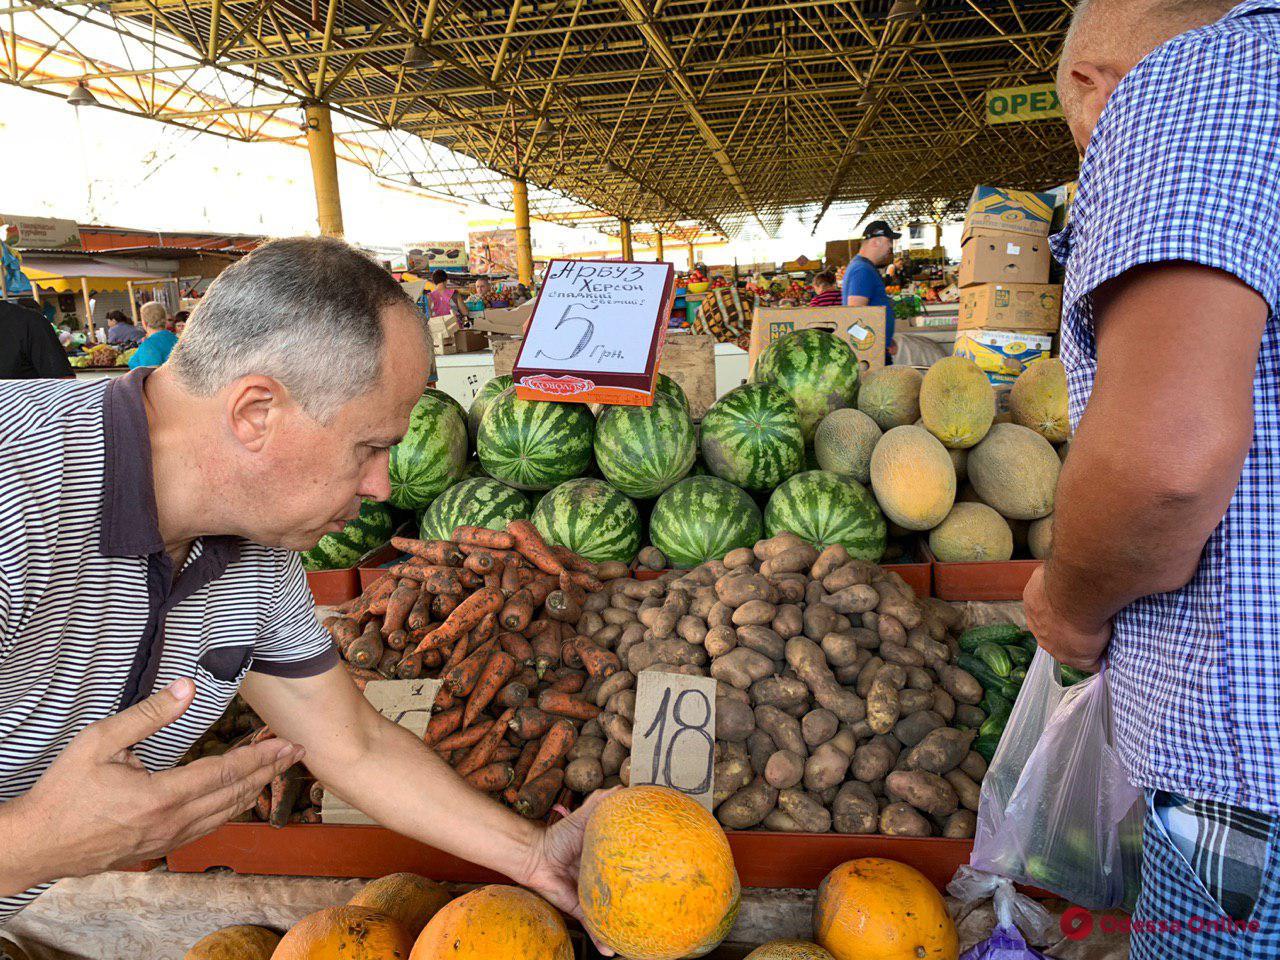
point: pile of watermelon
(606, 485)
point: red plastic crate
(764, 859)
(981, 580)
(372, 568)
(332, 587)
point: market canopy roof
(64, 274)
(680, 114)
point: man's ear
(252, 405)
(1091, 87)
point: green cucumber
(985, 747)
(996, 657)
(993, 726)
(1072, 676)
(996, 702)
(979, 670)
(1020, 655)
(991, 633)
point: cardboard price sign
(404, 702)
(673, 737)
(596, 333)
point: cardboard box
(1001, 352)
(507, 321)
(1013, 211)
(505, 352)
(861, 327)
(1030, 307)
(990, 256)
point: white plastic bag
(1020, 921)
(1057, 810)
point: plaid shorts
(1210, 883)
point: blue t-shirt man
(862, 276)
(154, 350)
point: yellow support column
(658, 248)
(524, 239)
(693, 256)
(324, 169)
(625, 234)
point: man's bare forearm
(22, 863)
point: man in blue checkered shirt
(1166, 539)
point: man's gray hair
(306, 311)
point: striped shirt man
(93, 615)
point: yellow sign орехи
(1019, 104)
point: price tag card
(596, 332)
(673, 737)
(405, 702)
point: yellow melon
(957, 403)
(960, 460)
(972, 531)
(882, 909)
(407, 898)
(844, 441)
(495, 923)
(1038, 400)
(657, 880)
(913, 478)
(345, 933)
(242, 942)
(1015, 470)
(891, 396)
(1040, 537)
(789, 950)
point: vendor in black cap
(863, 285)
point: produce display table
(158, 915)
(99, 373)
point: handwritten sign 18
(673, 741)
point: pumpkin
(789, 950)
(657, 879)
(883, 909)
(345, 933)
(241, 942)
(406, 898)
(495, 923)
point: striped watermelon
(825, 508)
(446, 398)
(752, 437)
(644, 450)
(432, 455)
(591, 518)
(477, 502)
(703, 518)
(534, 444)
(668, 386)
(480, 403)
(368, 531)
(817, 369)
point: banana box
(1030, 307)
(1002, 353)
(1012, 211)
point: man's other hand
(97, 808)
(1066, 642)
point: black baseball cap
(879, 228)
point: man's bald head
(1108, 38)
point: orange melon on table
(495, 923)
(407, 898)
(789, 950)
(657, 879)
(884, 909)
(345, 933)
(241, 942)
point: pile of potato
(838, 705)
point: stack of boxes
(1009, 311)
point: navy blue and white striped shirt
(92, 619)
(1185, 165)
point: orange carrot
(513, 695)
(518, 610)
(441, 724)
(546, 650)
(497, 670)
(433, 551)
(466, 737)
(560, 606)
(480, 755)
(443, 604)
(396, 640)
(409, 667)
(399, 604)
(493, 581)
(571, 590)
(262, 806)
(360, 676)
(492, 778)
(536, 796)
(556, 744)
(540, 587)
(530, 723)
(510, 579)
(285, 790)
(366, 650)
(569, 654)
(311, 815)
(387, 665)
(378, 591)
(527, 676)
(467, 614)
(569, 681)
(481, 563)
(484, 537)
(431, 659)
(530, 543)
(527, 755)
(583, 581)
(517, 646)
(575, 562)
(457, 654)
(462, 679)
(487, 628)
(566, 705)
(505, 753)
(343, 630)
(315, 793)
(599, 662)
(420, 612)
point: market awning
(64, 274)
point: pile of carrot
(492, 614)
